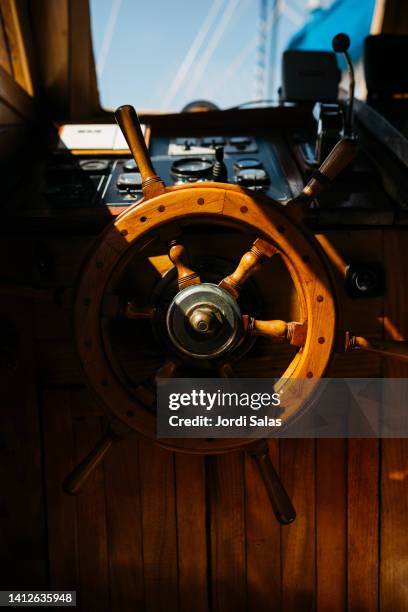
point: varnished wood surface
(157, 531)
(23, 550)
(394, 453)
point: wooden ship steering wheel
(203, 322)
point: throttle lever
(128, 121)
(337, 160)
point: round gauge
(130, 165)
(252, 176)
(129, 181)
(247, 162)
(193, 167)
(94, 165)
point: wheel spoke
(249, 263)
(225, 370)
(167, 370)
(292, 333)
(131, 311)
(116, 307)
(179, 257)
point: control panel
(78, 181)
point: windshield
(161, 55)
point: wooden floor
(156, 531)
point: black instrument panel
(92, 182)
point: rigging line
(237, 62)
(213, 44)
(293, 15)
(192, 53)
(277, 10)
(240, 59)
(107, 37)
(260, 72)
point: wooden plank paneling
(394, 536)
(191, 532)
(363, 561)
(262, 539)
(14, 13)
(59, 453)
(297, 469)
(331, 528)
(84, 102)
(394, 469)
(19, 103)
(124, 524)
(93, 584)
(23, 555)
(227, 524)
(77, 538)
(50, 34)
(5, 60)
(159, 528)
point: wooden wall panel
(93, 583)
(331, 525)
(297, 469)
(191, 532)
(124, 525)
(394, 536)
(5, 60)
(18, 34)
(262, 540)
(84, 100)
(394, 471)
(363, 524)
(159, 528)
(227, 524)
(59, 457)
(23, 554)
(50, 32)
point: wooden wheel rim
(303, 258)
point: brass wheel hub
(204, 321)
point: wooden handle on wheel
(293, 332)
(179, 257)
(128, 121)
(339, 158)
(397, 349)
(282, 506)
(249, 263)
(80, 474)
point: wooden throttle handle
(128, 122)
(282, 506)
(397, 349)
(339, 158)
(79, 475)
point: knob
(219, 171)
(341, 43)
(205, 320)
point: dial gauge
(130, 165)
(194, 167)
(129, 180)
